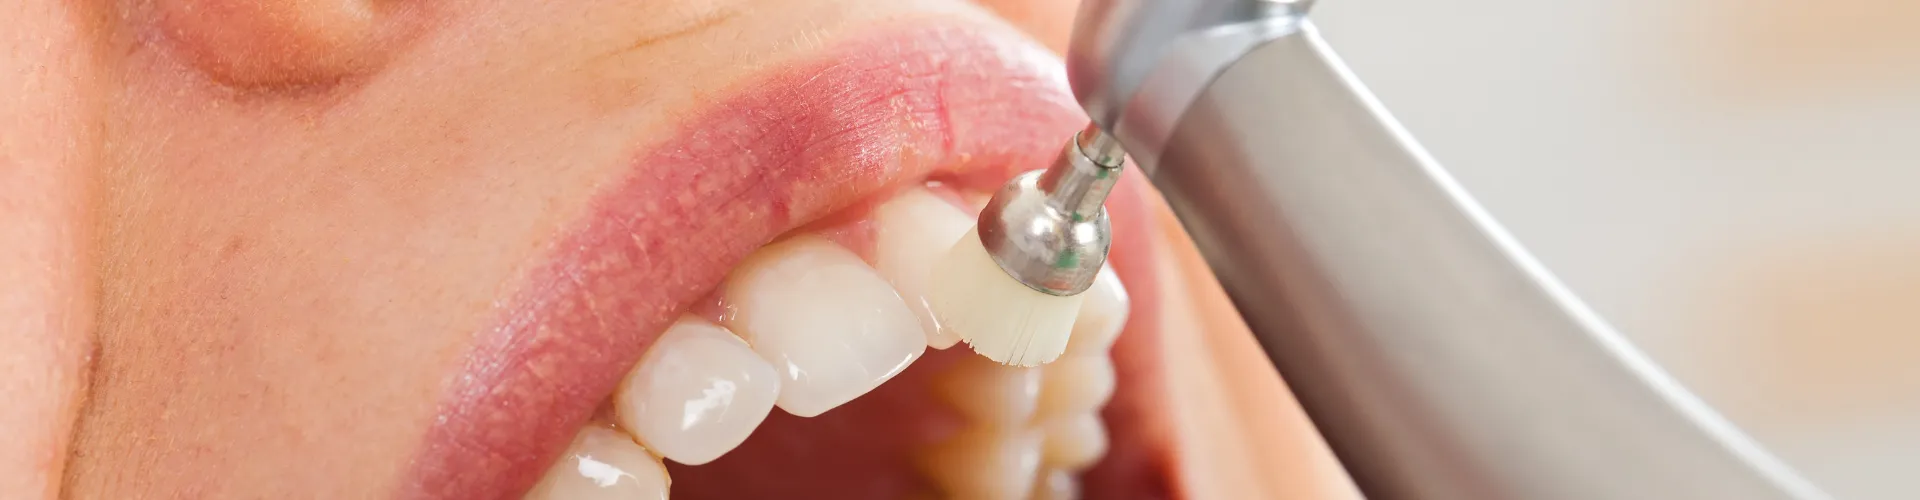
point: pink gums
(810, 139)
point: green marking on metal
(1067, 260)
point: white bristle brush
(1012, 286)
(996, 315)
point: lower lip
(811, 138)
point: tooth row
(812, 326)
(1030, 430)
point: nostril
(266, 43)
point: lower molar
(1076, 384)
(1073, 442)
(831, 326)
(1055, 484)
(603, 464)
(697, 393)
(1002, 408)
(984, 463)
(990, 394)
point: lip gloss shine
(811, 138)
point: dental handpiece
(1438, 358)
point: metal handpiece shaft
(1439, 359)
(1077, 184)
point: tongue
(861, 450)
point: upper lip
(802, 141)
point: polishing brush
(1012, 286)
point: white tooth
(697, 393)
(989, 393)
(976, 199)
(829, 324)
(916, 228)
(1102, 316)
(1056, 484)
(1075, 384)
(1074, 442)
(985, 463)
(603, 464)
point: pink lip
(809, 139)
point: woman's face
(457, 249)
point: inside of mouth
(873, 447)
(933, 430)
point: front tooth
(916, 228)
(1076, 384)
(989, 393)
(603, 464)
(1102, 316)
(831, 326)
(986, 463)
(697, 393)
(1074, 442)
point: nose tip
(268, 43)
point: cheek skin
(46, 163)
(44, 197)
(293, 276)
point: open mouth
(774, 256)
(582, 248)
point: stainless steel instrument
(1439, 359)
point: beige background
(1734, 183)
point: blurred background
(1735, 184)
